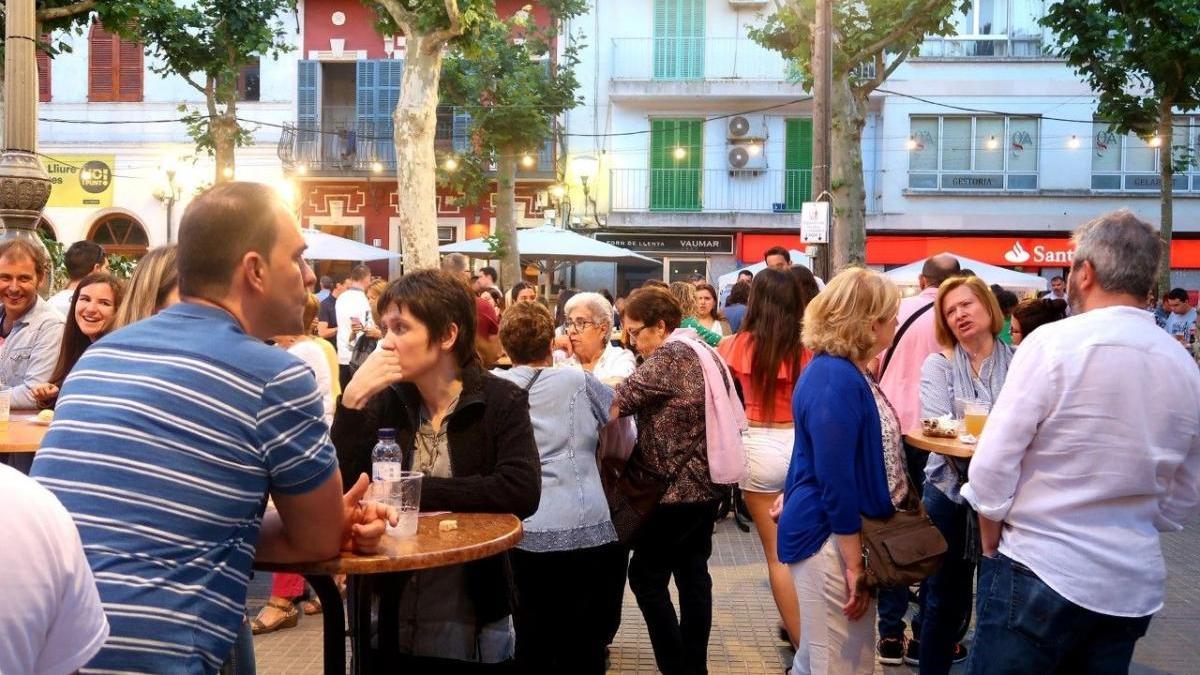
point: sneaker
(960, 653)
(890, 651)
(912, 652)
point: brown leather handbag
(903, 548)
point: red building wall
(358, 30)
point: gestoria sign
(1025, 252)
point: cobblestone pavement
(743, 638)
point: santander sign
(1040, 254)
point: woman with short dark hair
(469, 432)
(1028, 315)
(667, 395)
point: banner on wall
(80, 181)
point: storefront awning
(1012, 251)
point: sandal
(290, 618)
(312, 606)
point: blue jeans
(893, 605)
(1024, 626)
(946, 607)
(241, 658)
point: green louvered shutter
(675, 183)
(678, 39)
(797, 162)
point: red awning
(751, 245)
(1015, 251)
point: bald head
(938, 269)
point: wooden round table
(22, 434)
(951, 447)
(477, 536)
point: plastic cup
(5, 404)
(975, 414)
(403, 494)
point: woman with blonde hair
(971, 367)
(153, 287)
(847, 462)
(685, 294)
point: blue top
(167, 436)
(567, 408)
(836, 474)
(734, 315)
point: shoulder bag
(899, 334)
(903, 548)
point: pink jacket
(724, 417)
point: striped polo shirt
(167, 437)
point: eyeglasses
(633, 333)
(578, 325)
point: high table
(951, 447)
(478, 535)
(22, 434)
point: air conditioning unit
(747, 157)
(746, 127)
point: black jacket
(493, 459)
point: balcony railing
(699, 58)
(709, 190)
(337, 144)
(1027, 46)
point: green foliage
(469, 179)
(497, 244)
(511, 87)
(207, 42)
(121, 266)
(424, 17)
(58, 261)
(1135, 54)
(882, 32)
(62, 17)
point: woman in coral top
(766, 357)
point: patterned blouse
(666, 393)
(894, 463)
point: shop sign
(1004, 251)
(814, 223)
(80, 181)
(663, 244)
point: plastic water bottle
(386, 459)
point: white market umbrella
(992, 274)
(554, 246)
(325, 246)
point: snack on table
(46, 416)
(941, 427)
(447, 525)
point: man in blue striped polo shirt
(170, 433)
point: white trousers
(830, 644)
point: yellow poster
(80, 181)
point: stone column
(24, 184)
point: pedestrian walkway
(744, 638)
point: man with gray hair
(1076, 475)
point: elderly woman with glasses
(586, 341)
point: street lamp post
(585, 168)
(24, 184)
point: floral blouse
(894, 463)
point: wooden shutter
(387, 96)
(101, 65)
(43, 72)
(366, 78)
(678, 49)
(797, 163)
(307, 114)
(130, 66)
(675, 183)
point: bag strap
(537, 372)
(899, 334)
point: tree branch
(51, 13)
(881, 73)
(403, 17)
(882, 43)
(188, 78)
(441, 37)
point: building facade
(982, 144)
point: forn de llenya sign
(707, 244)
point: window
(991, 28)
(43, 70)
(797, 162)
(114, 67)
(973, 153)
(678, 39)
(120, 234)
(1131, 162)
(248, 81)
(676, 163)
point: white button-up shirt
(1092, 449)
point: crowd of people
(214, 412)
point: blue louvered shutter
(461, 136)
(307, 111)
(387, 95)
(366, 89)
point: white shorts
(769, 452)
